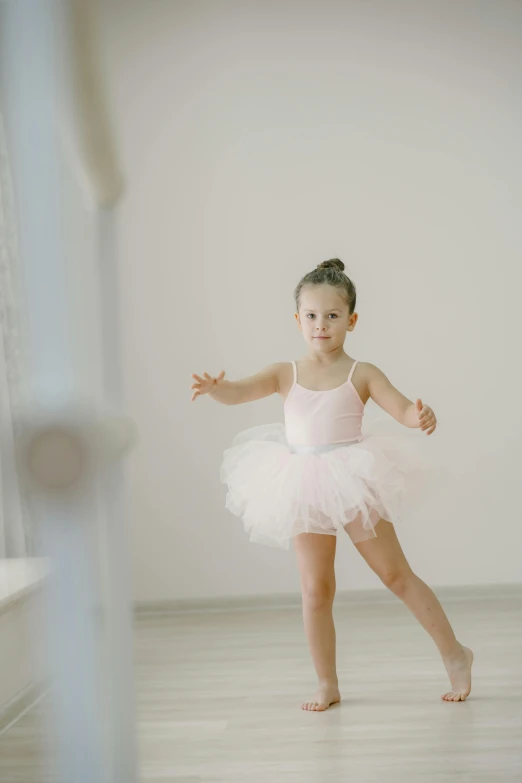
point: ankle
(456, 652)
(328, 682)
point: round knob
(57, 458)
(59, 452)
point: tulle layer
(279, 493)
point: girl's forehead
(322, 297)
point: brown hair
(329, 272)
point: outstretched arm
(390, 399)
(248, 389)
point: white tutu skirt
(280, 491)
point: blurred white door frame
(54, 103)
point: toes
(314, 706)
(454, 696)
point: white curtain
(14, 541)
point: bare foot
(324, 697)
(459, 671)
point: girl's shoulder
(366, 372)
(286, 376)
(368, 368)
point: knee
(397, 580)
(318, 594)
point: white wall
(260, 139)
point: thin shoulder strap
(351, 371)
(295, 371)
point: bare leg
(385, 556)
(315, 557)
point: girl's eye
(311, 315)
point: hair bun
(333, 263)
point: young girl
(317, 474)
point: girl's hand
(205, 384)
(427, 419)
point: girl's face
(323, 317)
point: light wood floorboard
(218, 697)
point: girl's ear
(296, 316)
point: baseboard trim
(445, 593)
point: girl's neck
(326, 360)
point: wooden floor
(218, 698)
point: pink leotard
(323, 418)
